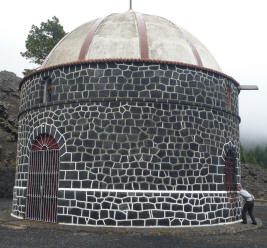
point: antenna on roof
(131, 5)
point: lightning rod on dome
(131, 5)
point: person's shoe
(254, 223)
(243, 222)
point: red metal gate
(229, 170)
(43, 180)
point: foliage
(242, 155)
(257, 155)
(41, 40)
(28, 71)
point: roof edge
(126, 60)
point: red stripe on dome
(142, 35)
(89, 38)
(193, 48)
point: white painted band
(144, 191)
(151, 191)
(15, 216)
(147, 227)
(18, 187)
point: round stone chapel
(129, 122)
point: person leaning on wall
(248, 206)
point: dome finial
(131, 5)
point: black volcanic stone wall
(130, 81)
(111, 146)
(146, 209)
(132, 126)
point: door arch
(43, 179)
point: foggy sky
(233, 30)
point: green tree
(28, 71)
(256, 155)
(251, 157)
(242, 154)
(41, 40)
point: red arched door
(229, 170)
(43, 180)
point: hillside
(9, 102)
(254, 179)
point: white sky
(235, 31)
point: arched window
(45, 142)
(47, 90)
(230, 171)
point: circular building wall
(141, 142)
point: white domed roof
(131, 35)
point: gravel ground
(11, 236)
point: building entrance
(43, 180)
